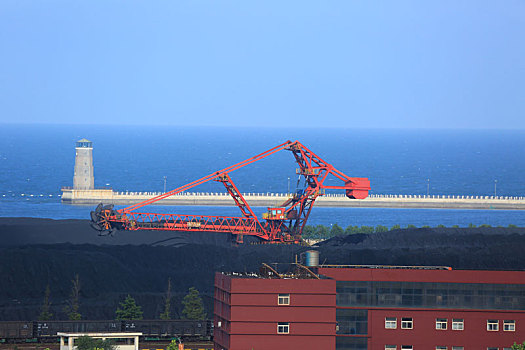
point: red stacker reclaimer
(283, 224)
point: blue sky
(388, 64)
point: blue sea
(37, 160)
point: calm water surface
(36, 161)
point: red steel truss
(282, 225)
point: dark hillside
(108, 272)
(21, 231)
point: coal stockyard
(38, 252)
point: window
(441, 348)
(354, 343)
(390, 323)
(283, 328)
(283, 299)
(509, 325)
(406, 347)
(390, 347)
(352, 321)
(457, 348)
(441, 323)
(407, 323)
(425, 295)
(492, 325)
(492, 348)
(457, 324)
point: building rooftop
(278, 271)
(100, 335)
(434, 274)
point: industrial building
(369, 307)
(127, 341)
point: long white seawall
(108, 196)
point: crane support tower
(283, 224)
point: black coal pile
(459, 248)
(38, 252)
(22, 231)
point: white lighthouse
(84, 178)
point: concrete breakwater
(108, 196)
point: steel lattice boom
(283, 224)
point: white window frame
(390, 322)
(458, 348)
(509, 325)
(390, 347)
(441, 348)
(407, 323)
(441, 324)
(458, 324)
(407, 347)
(492, 348)
(283, 328)
(492, 325)
(283, 299)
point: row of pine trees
(128, 308)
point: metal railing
(335, 196)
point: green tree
(396, 227)
(471, 225)
(411, 226)
(72, 306)
(517, 346)
(366, 229)
(173, 345)
(512, 226)
(440, 226)
(129, 310)
(350, 230)
(193, 306)
(380, 228)
(336, 230)
(167, 303)
(308, 231)
(322, 231)
(88, 343)
(45, 313)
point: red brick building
(274, 313)
(372, 308)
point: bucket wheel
(100, 219)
